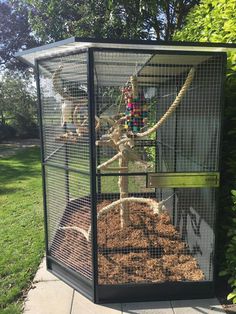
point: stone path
(49, 295)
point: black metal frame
(125, 292)
(93, 169)
(42, 157)
(217, 222)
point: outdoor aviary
(130, 136)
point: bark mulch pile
(149, 250)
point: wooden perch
(108, 162)
(84, 233)
(115, 168)
(58, 86)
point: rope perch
(172, 108)
(155, 206)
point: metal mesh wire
(178, 244)
(189, 140)
(66, 158)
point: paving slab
(82, 305)
(231, 308)
(49, 297)
(42, 273)
(197, 306)
(161, 307)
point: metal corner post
(91, 113)
(42, 156)
(220, 161)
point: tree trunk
(123, 186)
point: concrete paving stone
(231, 309)
(82, 305)
(49, 297)
(161, 307)
(198, 306)
(42, 273)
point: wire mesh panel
(151, 234)
(64, 106)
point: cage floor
(149, 250)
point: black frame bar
(91, 117)
(37, 74)
(217, 222)
(155, 292)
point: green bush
(18, 106)
(230, 256)
(215, 21)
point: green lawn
(21, 220)
(21, 226)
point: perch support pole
(123, 186)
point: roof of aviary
(73, 44)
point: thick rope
(155, 206)
(152, 203)
(171, 109)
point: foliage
(21, 226)
(56, 19)
(18, 106)
(211, 20)
(15, 34)
(230, 264)
(227, 216)
(215, 21)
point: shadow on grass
(21, 166)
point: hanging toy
(136, 109)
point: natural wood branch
(108, 162)
(117, 122)
(134, 83)
(124, 192)
(129, 154)
(126, 140)
(58, 86)
(104, 143)
(171, 109)
(85, 233)
(115, 168)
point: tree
(55, 19)
(212, 20)
(15, 34)
(18, 105)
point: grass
(21, 226)
(21, 219)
